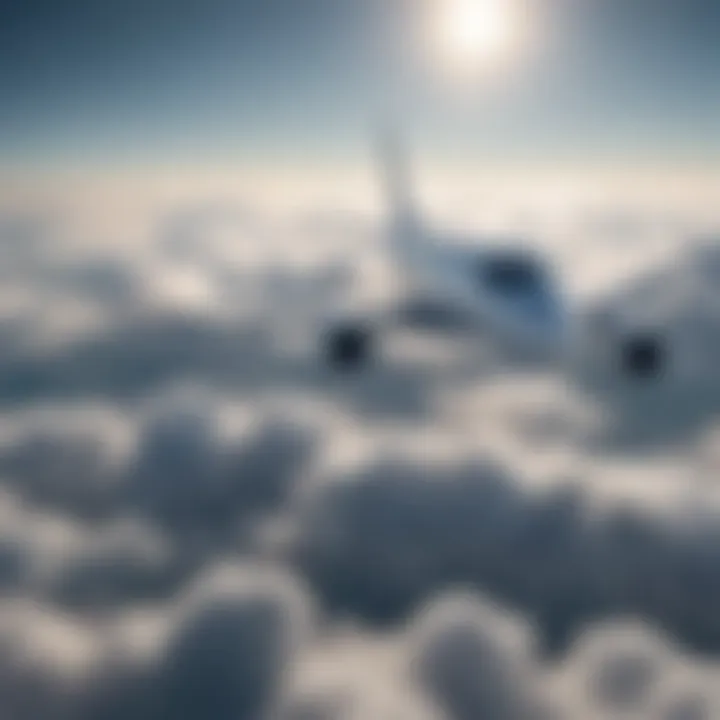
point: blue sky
(156, 80)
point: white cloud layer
(199, 519)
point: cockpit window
(511, 275)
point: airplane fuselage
(495, 287)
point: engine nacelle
(348, 345)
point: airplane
(496, 287)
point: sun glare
(475, 34)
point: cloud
(232, 645)
(43, 661)
(621, 666)
(349, 672)
(15, 548)
(474, 660)
(190, 475)
(67, 459)
(165, 412)
(381, 539)
(124, 562)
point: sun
(474, 34)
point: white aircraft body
(501, 289)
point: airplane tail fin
(396, 183)
(406, 234)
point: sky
(282, 80)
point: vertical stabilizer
(406, 236)
(396, 182)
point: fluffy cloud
(232, 645)
(124, 562)
(67, 459)
(381, 539)
(474, 661)
(164, 411)
(194, 473)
